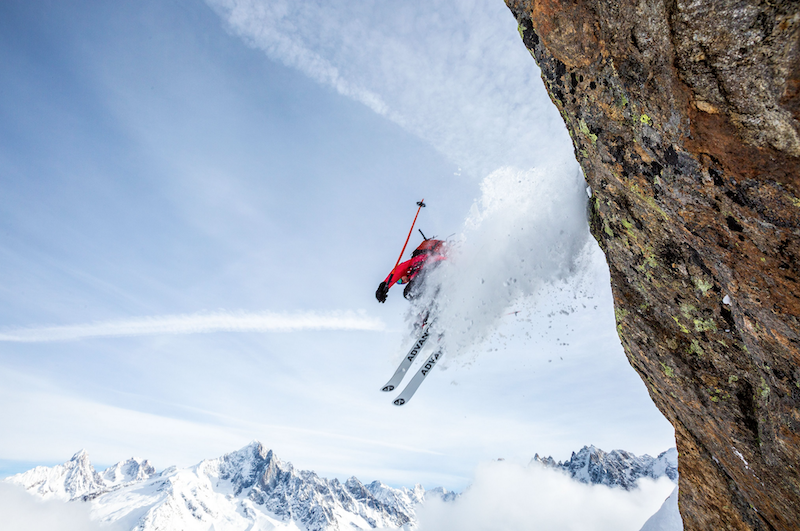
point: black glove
(383, 291)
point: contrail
(198, 323)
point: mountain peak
(616, 468)
(80, 455)
(256, 448)
(73, 479)
(130, 470)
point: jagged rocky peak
(546, 461)
(242, 489)
(257, 475)
(685, 117)
(73, 479)
(77, 478)
(133, 469)
(617, 468)
(80, 476)
(358, 490)
(442, 493)
(81, 456)
(249, 465)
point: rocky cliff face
(684, 116)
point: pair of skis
(422, 373)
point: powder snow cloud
(527, 229)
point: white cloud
(22, 511)
(506, 495)
(454, 73)
(198, 323)
(270, 26)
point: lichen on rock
(685, 119)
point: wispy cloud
(271, 27)
(198, 323)
(454, 73)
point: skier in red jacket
(412, 272)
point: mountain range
(617, 468)
(252, 489)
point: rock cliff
(684, 116)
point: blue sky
(233, 160)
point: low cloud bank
(198, 323)
(20, 511)
(511, 496)
(527, 230)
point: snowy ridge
(71, 480)
(667, 518)
(77, 478)
(615, 468)
(252, 489)
(247, 489)
(124, 472)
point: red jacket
(428, 251)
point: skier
(412, 272)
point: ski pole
(421, 204)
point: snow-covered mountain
(247, 489)
(253, 489)
(615, 468)
(77, 477)
(667, 518)
(128, 471)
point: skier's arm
(398, 273)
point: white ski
(400, 373)
(416, 381)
